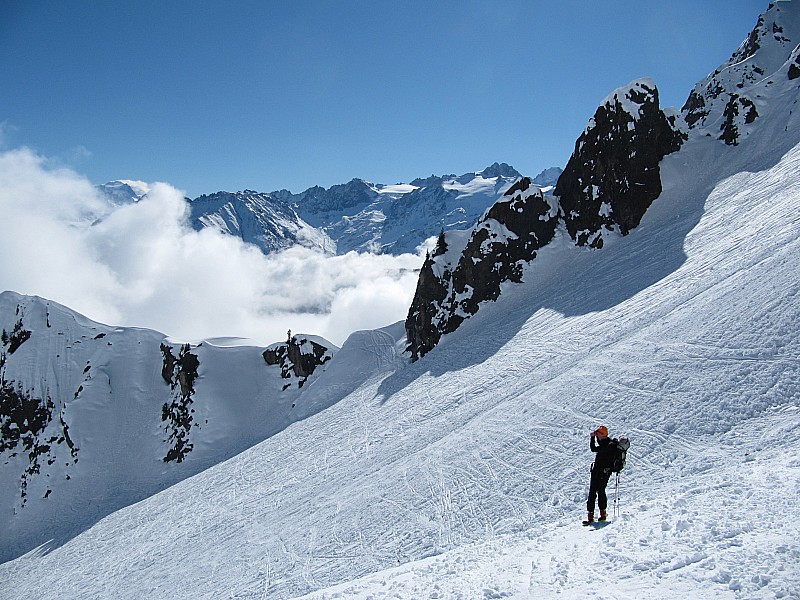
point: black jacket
(605, 453)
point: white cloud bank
(143, 265)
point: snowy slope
(94, 418)
(469, 467)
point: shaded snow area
(464, 475)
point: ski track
(696, 546)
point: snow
(622, 96)
(400, 188)
(464, 475)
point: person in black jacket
(601, 472)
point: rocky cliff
(613, 175)
(609, 182)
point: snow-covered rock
(726, 103)
(94, 418)
(613, 175)
(456, 277)
(357, 216)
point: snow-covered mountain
(266, 220)
(94, 418)
(358, 215)
(615, 173)
(464, 474)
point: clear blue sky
(211, 95)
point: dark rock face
(613, 175)
(27, 423)
(609, 182)
(180, 373)
(794, 65)
(422, 322)
(508, 235)
(298, 357)
(738, 110)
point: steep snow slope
(94, 418)
(682, 335)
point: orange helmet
(603, 430)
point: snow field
(468, 469)
(695, 536)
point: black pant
(597, 489)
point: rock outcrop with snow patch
(454, 281)
(613, 175)
(726, 103)
(298, 357)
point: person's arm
(592, 444)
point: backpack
(620, 447)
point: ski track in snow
(713, 537)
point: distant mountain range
(357, 215)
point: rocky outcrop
(739, 111)
(179, 373)
(298, 357)
(454, 280)
(609, 182)
(724, 103)
(613, 175)
(27, 423)
(794, 64)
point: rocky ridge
(613, 175)
(93, 417)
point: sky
(205, 96)
(266, 95)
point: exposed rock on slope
(609, 182)
(726, 102)
(298, 357)
(613, 176)
(453, 281)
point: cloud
(143, 265)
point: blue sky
(267, 95)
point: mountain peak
(727, 101)
(499, 170)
